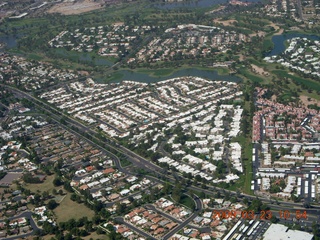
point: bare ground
(259, 70)
(216, 10)
(259, 33)
(307, 101)
(277, 28)
(69, 8)
(225, 23)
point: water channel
(278, 41)
(143, 77)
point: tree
(177, 192)
(256, 205)
(45, 195)
(54, 191)
(306, 204)
(52, 204)
(57, 182)
(274, 219)
(316, 229)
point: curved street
(28, 215)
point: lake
(279, 40)
(10, 41)
(195, 4)
(82, 57)
(143, 77)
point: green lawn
(47, 185)
(96, 236)
(68, 209)
(187, 201)
(254, 78)
(244, 183)
(311, 84)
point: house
(159, 231)
(113, 196)
(3, 234)
(108, 171)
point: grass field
(47, 185)
(187, 201)
(68, 209)
(93, 235)
(244, 183)
(250, 76)
(299, 80)
(96, 236)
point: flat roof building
(281, 232)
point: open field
(93, 235)
(96, 236)
(47, 185)
(259, 70)
(187, 201)
(244, 72)
(68, 209)
(308, 83)
(68, 8)
(225, 22)
(307, 101)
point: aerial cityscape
(169, 120)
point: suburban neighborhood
(159, 120)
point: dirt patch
(276, 27)
(280, 31)
(259, 34)
(216, 10)
(68, 8)
(259, 70)
(241, 57)
(225, 23)
(307, 101)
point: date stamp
(262, 215)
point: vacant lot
(68, 209)
(68, 8)
(259, 70)
(47, 185)
(225, 22)
(307, 101)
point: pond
(9, 41)
(279, 40)
(144, 77)
(82, 57)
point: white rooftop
(281, 232)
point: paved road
(133, 157)
(28, 215)
(199, 207)
(134, 228)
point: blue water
(195, 4)
(97, 61)
(279, 40)
(207, 74)
(10, 41)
